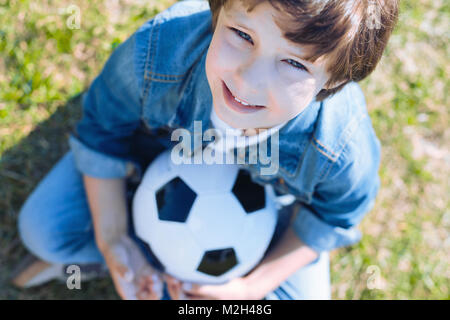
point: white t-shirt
(222, 126)
(228, 134)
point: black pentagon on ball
(174, 200)
(250, 194)
(217, 262)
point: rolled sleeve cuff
(99, 165)
(321, 236)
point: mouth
(237, 104)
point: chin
(225, 116)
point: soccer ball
(205, 223)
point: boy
(253, 64)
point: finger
(146, 293)
(195, 289)
(113, 264)
(188, 286)
(126, 290)
(150, 287)
(138, 262)
(146, 273)
(118, 289)
(142, 291)
(122, 270)
(146, 290)
(185, 286)
(142, 295)
(191, 296)
(173, 286)
(142, 284)
(121, 263)
(183, 296)
(173, 292)
(116, 265)
(157, 285)
(169, 279)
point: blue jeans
(55, 225)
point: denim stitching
(149, 54)
(164, 80)
(318, 142)
(326, 172)
(318, 148)
(165, 75)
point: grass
(404, 253)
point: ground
(47, 60)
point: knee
(311, 282)
(35, 232)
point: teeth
(242, 102)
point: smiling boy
(250, 65)
(250, 58)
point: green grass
(404, 252)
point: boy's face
(249, 58)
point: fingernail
(155, 278)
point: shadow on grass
(22, 167)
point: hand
(174, 287)
(133, 277)
(235, 289)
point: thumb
(121, 262)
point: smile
(238, 104)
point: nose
(252, 78)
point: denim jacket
(155, 82)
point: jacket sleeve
(112, 109)
(341, 200)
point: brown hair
(350, 34)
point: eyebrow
(235, 15)
(240, 18)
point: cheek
(211, 67)
(294, 98)
(302, 90)
(222, 57)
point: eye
(242, 35)
(296, 64)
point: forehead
(265, 18)
(262, 17)
(246, 10)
